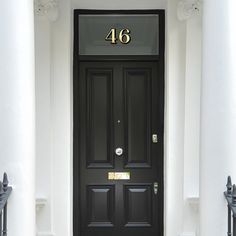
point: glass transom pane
(143, 33)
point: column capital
(188, 8)
(48, 8)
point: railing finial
(234, 195)
(5, 182)
(229, 186)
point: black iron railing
(230, 196)
(5, 192)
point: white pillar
(218, 113)
(17, 112)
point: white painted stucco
(44, 152)
(54, 115)
(17, 112)
(218, 114)
(116, 5)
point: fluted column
(218, 113)
(17, 112)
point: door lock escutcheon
(154, 138)
(119, 151)
(155, 188)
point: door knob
(119, 151)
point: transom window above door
(119, 34)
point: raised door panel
(137, 97)
(99, 83)
(100, 205)
(138, 205)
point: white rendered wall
(44, 165)
(192, 123)
(62, 115)
(54, 123)
(179, 141)
(17, 112)
(192, 106)
(174, 121)
(116, 5)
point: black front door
(118, 158)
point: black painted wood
(118, 102)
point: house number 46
(124, 36)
